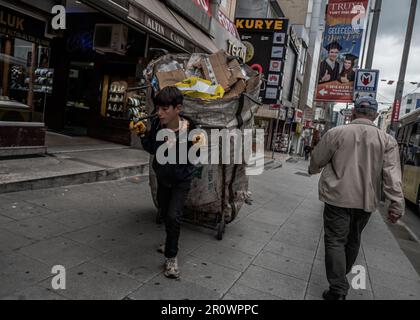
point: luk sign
(366, 83)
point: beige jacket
(359, 160)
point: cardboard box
(170, 78)
(237, 89)
(252, 83)
(217, 69)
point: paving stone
(393, 262)
(37, 228)
(35, 293)
(207, 274)
(385, 293)
(284, 265)
(18, 272)
(273, 283)
(252, 247)
(162, 288)
(60, 251)
(78, 219)
(241, 292)
(252, 230)
(223, 256)
(267, 216)
(133, 262)
(93, 282)
(22, 210)
(4, 220)
(10, 241)
(381, 279)
(291, 251)
(309, 242)
(101, 238)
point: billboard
(266, 41)
(342, 42)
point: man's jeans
(343, 228)
(171, 202)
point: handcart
(218, 191)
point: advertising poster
(340, 55)
(265, 40)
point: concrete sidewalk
(106, 237)
(72, 165)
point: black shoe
(328, 295)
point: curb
(75, 179)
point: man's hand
(138, 128)
(326, 77)
(394, 216)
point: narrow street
(105, 235)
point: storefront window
(26, 79)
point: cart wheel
(221, 229)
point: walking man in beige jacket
(358, 161)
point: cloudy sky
(389, 48)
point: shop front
(26, 82)
(101, 59)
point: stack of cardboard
(219, 68)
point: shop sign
(235, 50)
(282, 115)
(290, 113)
(266, 43)
(227, 24)
(18, 25)
(298, 115)
(263, 25)
(160, 28)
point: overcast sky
(389, 48)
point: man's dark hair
(168, 96)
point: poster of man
(330, 67)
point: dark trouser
(306, 155)
(343, 228)
(171, 202)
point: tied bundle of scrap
(201, 76)
(220, 93)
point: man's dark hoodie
(168, 174)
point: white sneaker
(171, 268)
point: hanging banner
(343, 35)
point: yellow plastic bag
(200, 88)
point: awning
(165, 23)
(155, 18)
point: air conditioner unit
(110, 38)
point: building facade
(283, 121)
(76, 80)
(410, 103)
